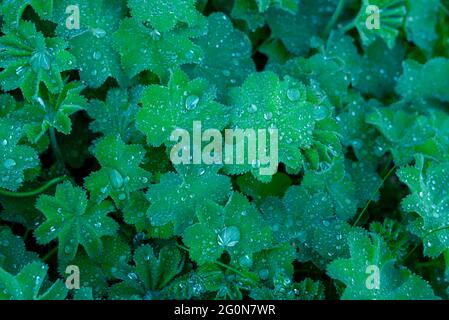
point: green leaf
(117, 115)
(92, 43)
(165, 15)
(12, 11)
(13, 254)
(264, 102)
(421, 23)
(156, 51)
(28, 58)
(28, 284)
(237, 228)
(177, 106)
(409, 133)
(424, 81)
(15, 158)
(320, 71)
(368, 253)
(120, 172)
(74, 221)
(391, 17)
(252, 11)
(430, 202)
(48, 110)
(296, 29)
(227, 55)
(175, 198)
(308, 218)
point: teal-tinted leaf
(28, 58)
(431, 202)
(237, 228)
(391, 17)
(120, 172)
(428, 81)
(264, 102)
(421, 22)
(48, 110)
(116, 116)
(227, 55)
(177, 106)
(13, 254)
(91, 43)
(15, 158)
(28, 284)
(152, 50)
(164, 15)
(12, 10)
(367, 256)
(175, 198)
(296, 30)
(74, 221)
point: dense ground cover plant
(91, 90)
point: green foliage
(74, 221)
(96, 114)
(400, 284)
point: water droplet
(122, 196)
(320, 113)
(4, 142)
(264, 274)
(192, 102)
(246, 261)
(252, 108)
(156, 35)
(20, 70)
(268, 116)
(229, 236)
(116, 179)
(9, 163)
(132, 276)
(96, 55)
(98, 32)
(293, 94)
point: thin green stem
(373, 195)
(50, 254)
(348, 27)
(34, 192)
(55, 146)
(26, 234)
(221, 264)
(330, 25)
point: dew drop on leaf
(116, 179)
(192, 102)
(9, 163)
(229, 236)
(293, 94)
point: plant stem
(55, 146)
(348, 27)
(34, 192)
(330, 25)
(373, 194)
(50, 253)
